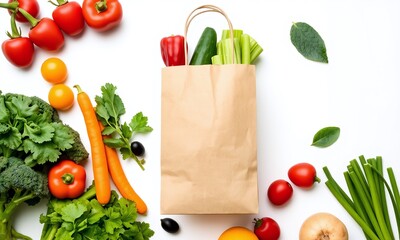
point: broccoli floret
(18, 184)
(77, 152)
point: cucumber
(206, 48)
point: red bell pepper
(102, 15)
(173, 50)
(67, 180)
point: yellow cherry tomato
(238, 233)
(61, 97)
(54, 70)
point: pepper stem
(33, 21)
(101, 6)
(67, 178)
(15, 31)
(12, 5)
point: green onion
(367, 203)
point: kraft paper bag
(208, 140)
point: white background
(357, 91)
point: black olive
(137, 148)
(169, 225)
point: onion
(323, 226)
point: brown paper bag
(208, 138)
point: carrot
(99, 160)
(119, 178)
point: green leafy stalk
(109, 110)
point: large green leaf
(308, 42)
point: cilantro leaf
(138, 124)
(112, 101)
(109, 110)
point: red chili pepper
(18, 50)
(68, 16)
(173, 50)
(102, 15)
(44, 33)
(67, 180)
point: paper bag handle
(204, 9)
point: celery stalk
(238, 50)
(245, 45)
(255, 50)
(226, 33)
(217, 60)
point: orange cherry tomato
(61, 97)
(54, 70)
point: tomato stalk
(15, 31)
(32, 20)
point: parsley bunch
(109, 110)
(31, 129)
(86, 218)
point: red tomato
(303, 175)
(47, 35)
(31, 6)
(102, 15)
(69, 18)
(266, 228)
(279, 192)
(19, 51)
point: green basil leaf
(326, 137)
(308, 42)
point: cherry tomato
(303, 175)
(54, 70)
(46, 34)
(31, 6)
(19, 51)
(102, 15)
(69, 17)
(266, 228)
(279, 192)
(61, 97)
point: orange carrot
(99, 159)
(119, 178)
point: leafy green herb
(109, 110)
(31, 130)
(86, 218)
(308, 42)
(367, 203)
(326, 137)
